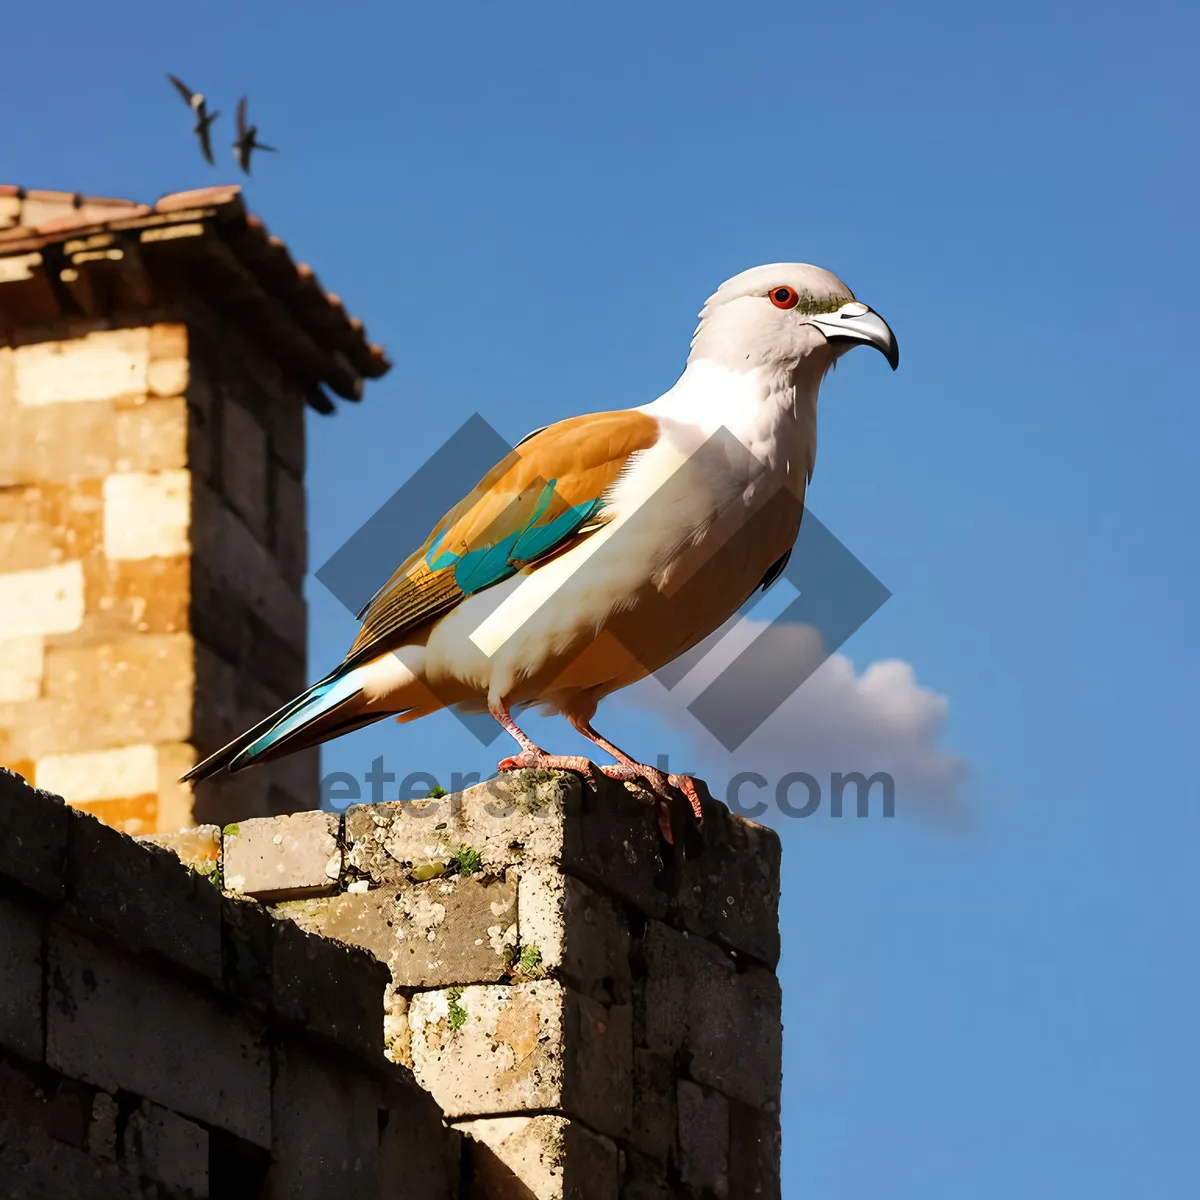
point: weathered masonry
(155, 366)
(509, 993)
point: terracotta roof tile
(90, 213)
(248, 268)
(223, 193)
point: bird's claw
(664, 787)
(540, 760)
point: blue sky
(528, 204)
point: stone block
(755, 1147)
(509, 819)
(331, 990)
(523, 817)
(419, 1156)
(46, 524)
(278, 858)
(244, 469)
(544, 1157)
(34, 1166)
(704, 1140)
(285, 425)
(198, 849)
(242, 565)
(730, 891)
(167, 376)
(100, 774)
(142, 895)
(151, 436)
(491, 1049)
(36, 603)
(234, 702)
(326, 1130)
(222, 620)
(645, 1179)
(33, 836)
(289, 537)
(167, 1148)
(148, 595)
(176, 800)
(147, 514)
(102, 365)
(598, 1085)
(247, 935)
(168, 340)
(728, 1021)
(111, 1023)
(458, 929)
(22, 663)
(61, 444)
(136, 689)
(575, 932)
(270, 660)
(20, 980)
(59, 1108)
(653, 1123)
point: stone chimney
(155, 366)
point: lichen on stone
(429, 870)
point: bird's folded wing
(541, 499)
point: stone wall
(592, 1015)
(160, 1039)
(595, 1012)
(152, 553)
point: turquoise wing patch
(486, 565)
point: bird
(204, 119)
(247, 139)
(603, 546)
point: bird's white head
(780, 315)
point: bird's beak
(857, 323)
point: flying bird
(604, 546)
(247, 139)
(204, 119)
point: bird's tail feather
(317, 714)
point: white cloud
(838, 720)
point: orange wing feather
(583, 456)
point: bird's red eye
(784, 297)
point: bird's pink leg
(660, 783)
(533, 755)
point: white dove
(605, 545)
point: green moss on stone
(530, 962)
(457, 1014)
(466, 860)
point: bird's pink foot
(535, 759)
